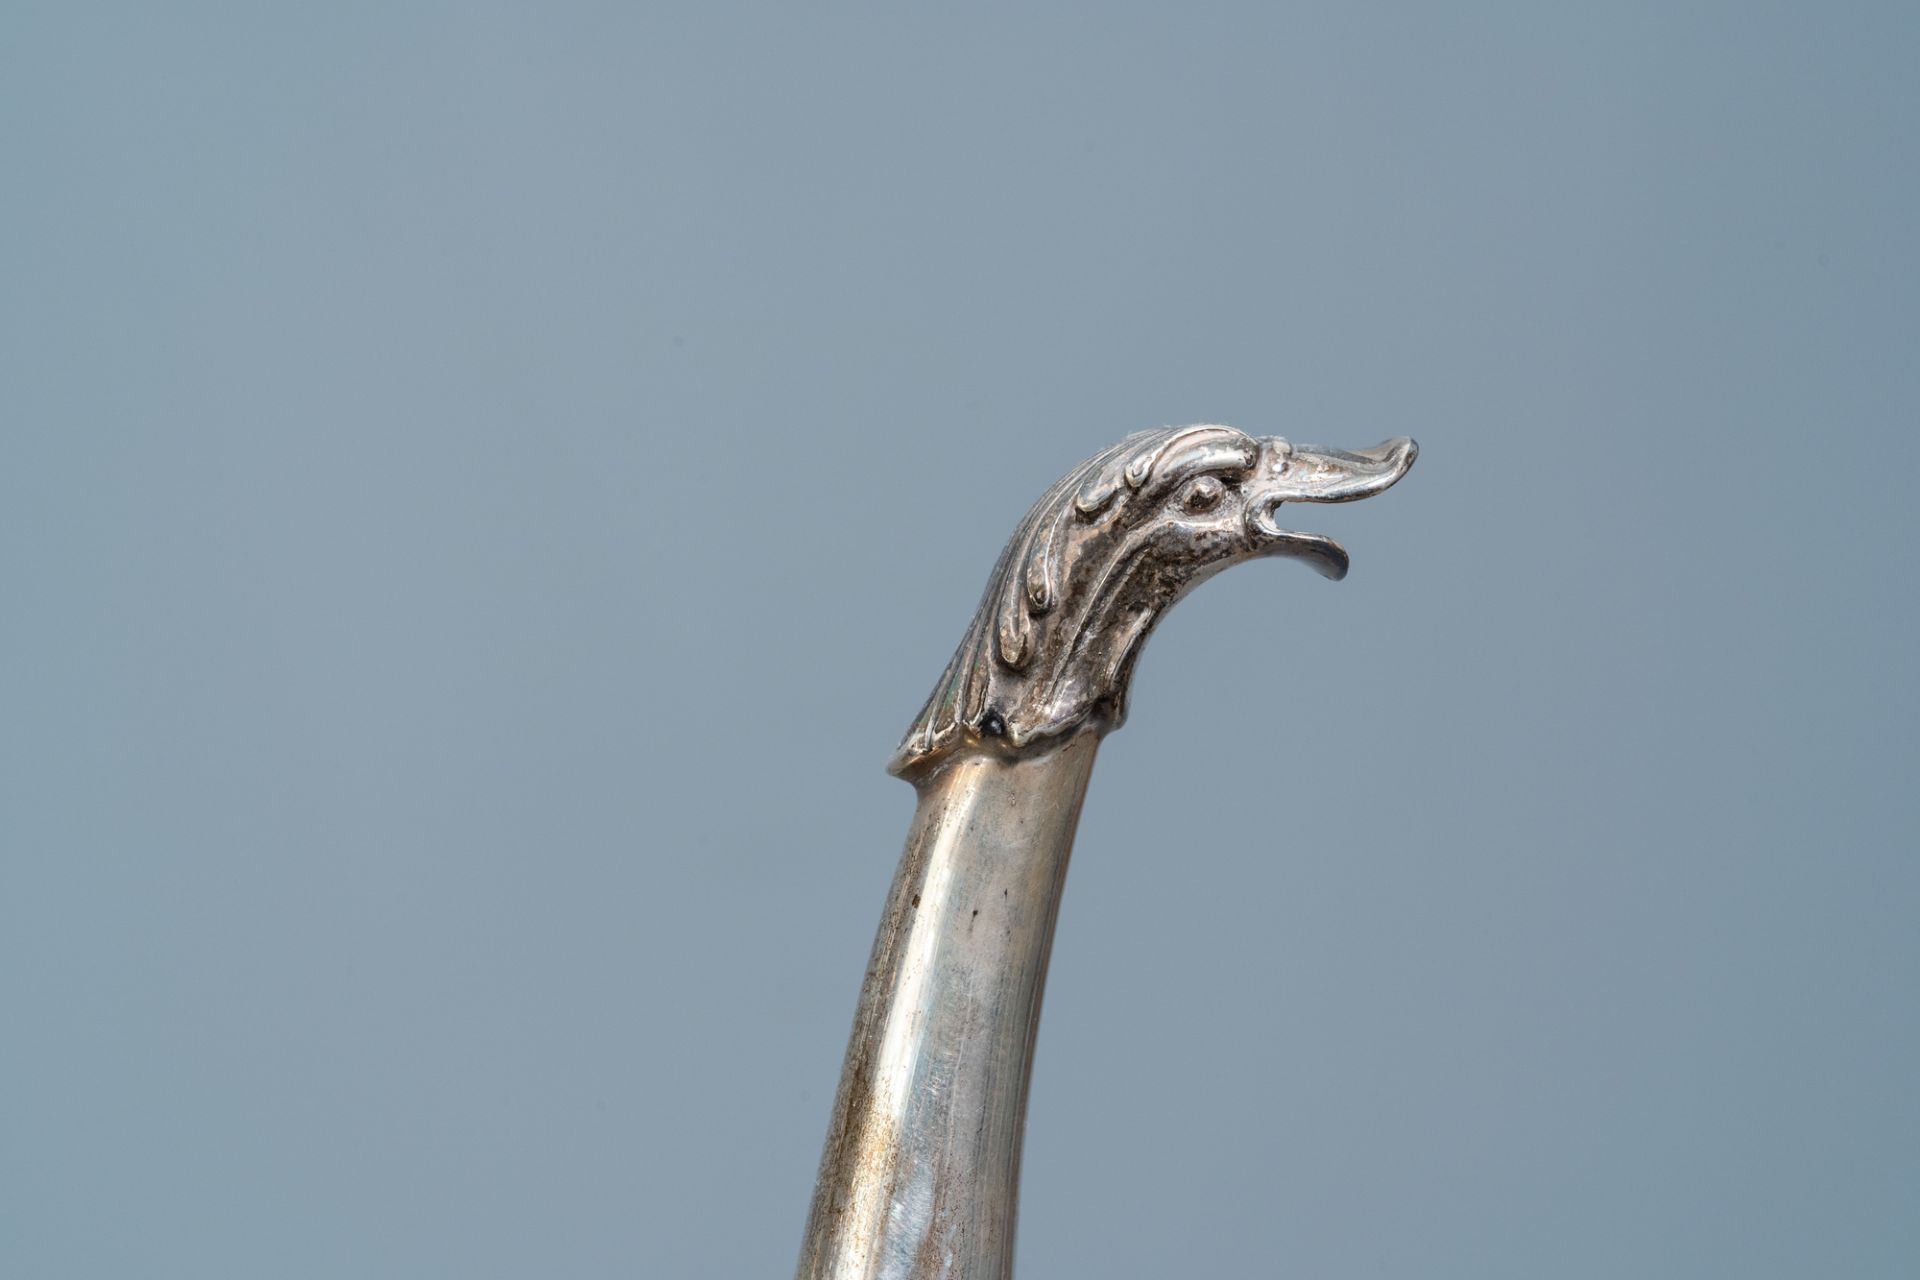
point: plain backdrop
(483, 487)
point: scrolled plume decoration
(1102, 555)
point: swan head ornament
(1103, 554)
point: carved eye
(1203, 494)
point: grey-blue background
(484, 486)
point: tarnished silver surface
(921, 1170)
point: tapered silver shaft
(921, 1172)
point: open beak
(1310, 473)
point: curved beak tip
(1329, 476)
(1397, 454)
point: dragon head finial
(1103, 554)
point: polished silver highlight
(921, 1169)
